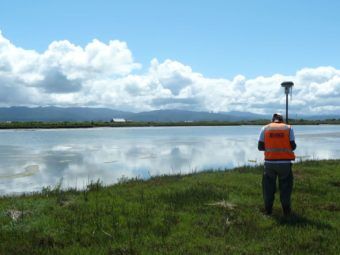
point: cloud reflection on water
(112, 156)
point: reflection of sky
(81, 155)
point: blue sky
(146, 55)
(217, 38)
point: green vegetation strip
(93, 124)
(213, 212)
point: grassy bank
(94, 124)
(202, 213)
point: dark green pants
(284, 173)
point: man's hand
(261, 146)
(293, 144)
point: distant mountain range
(105, 114)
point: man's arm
(260, 144)
(293, 144)
(292, 139)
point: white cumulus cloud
(102, 74)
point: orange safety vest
(277, 142)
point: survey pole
(288, 86)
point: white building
(118, 120)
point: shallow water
(32, 159)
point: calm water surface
(32, 159)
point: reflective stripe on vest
(277, 142)
(286, 127)
(278, 150)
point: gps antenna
(288, 86)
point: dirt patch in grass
(223, 204)
(332, 207)
(335, 183)
(300, 174)
(16, 215)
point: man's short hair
(277, 117)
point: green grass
(213, 212)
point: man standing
(278, 143)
